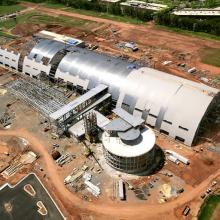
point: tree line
(8, 2)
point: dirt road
(118, 210)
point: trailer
(178, 157)
(173, 159)
(121, 189)
(186, 211)
(95, 190)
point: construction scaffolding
(39, 95)
(74, 111)
(90, 124)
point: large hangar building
(170, 104)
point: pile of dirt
(27, 29)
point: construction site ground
(155, 47)
(194, 178)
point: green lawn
(209, 207)
(124, 19)
(10, 9)
(211, 56)
(189, 33)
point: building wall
(9, 58)
(174, 106)
(33, 68)
(75, 80)
(130, 164)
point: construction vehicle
(87, 152)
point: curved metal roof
(97, 68)
(46, 48)
(174, 104)
(138, 148)
(169, 103)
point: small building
(143, 5)
(126, 146)
(203, 12)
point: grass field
(124, 19)
(35, 17)
(211, 56)
(10, 9)
(209, 207)
(189, 33)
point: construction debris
(139, 193)
(204, 79)
(192, 70)
(6, 117)
(95, 190)
(87, 176)
(26, 158)
(132, 46)
(55, 154)
(167, 62)
(65, 158)
(3, 91)
(128, 45)
(214, 149)
(73, 177)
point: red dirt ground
(109, 209)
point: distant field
(209, 207)
(189, 33)
(124, 19)
(211, 56)
(10, 9)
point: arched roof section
(97, 68)
(46, 48)
(170, 104)
(175, 105)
